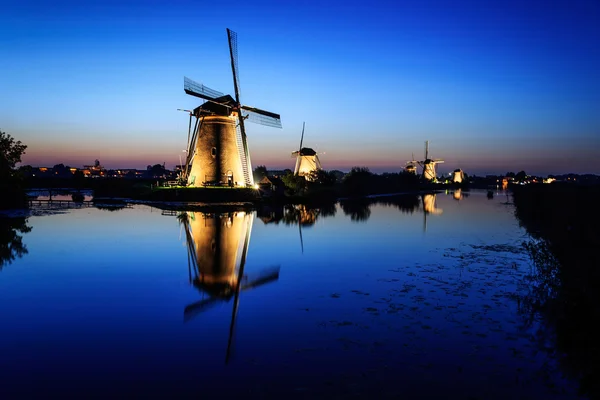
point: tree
(10, 154)
(521, 176)
(295, 184)
(260, 172)
(11, 185)
(358, 181)
(322, 177)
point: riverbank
(563, 287)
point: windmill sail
(194, 88)
(262, 117)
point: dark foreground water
(415, 297)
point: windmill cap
(306, 151)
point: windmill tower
(217, 149)
(217, 246)
(307, 159)
(428, 165)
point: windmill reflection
(217, 246)
(457, 195)
(429, 207)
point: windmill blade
(194, 88)
(233, 54)
(270, 275)
(190, 311)
(301, 139)
(262, 117)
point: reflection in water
(11, 243)
(457, 195)
(292, 214)
(359, 210)
(217, 249)
(429, 207)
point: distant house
(271, 185)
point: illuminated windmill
(428, 165)
(307, 159)
(458, 176)
(217, 151)
(411, 166)
(217, 245)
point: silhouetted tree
(358, 180)
(294, 184)
(520, 176)
(10, 154)
(322, 177)
(339, 175)
(260, 172)
(11, 183)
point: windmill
(217, 246)
(411, 166)
(458, 176)
(217, 149)
(307, 159)
(428, 165)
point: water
(414, 297)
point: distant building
(271, 185)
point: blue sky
(494, 86)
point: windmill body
(218, 157)
(217, 149)
(429, 172)
(307, 159)
(458, 176)
(411, 168)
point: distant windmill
(217, 151)
(411, 166)
(428, 165)
(217, 247)
(307, 159)
(458, 176)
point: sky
(495, 86)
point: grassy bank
(563, 292)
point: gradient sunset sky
(495, 86)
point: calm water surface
(412, 298)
